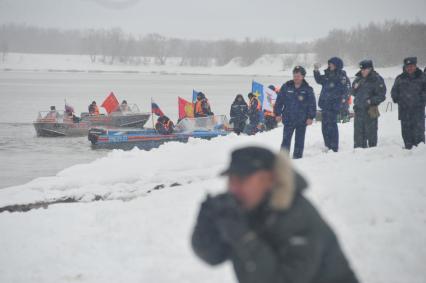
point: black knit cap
(410, 61)
(299, 69)
(365, 64)
(248, 160)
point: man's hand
(230, 219)
(309, 122)
(317, 66)
(278, 119)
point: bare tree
(4, 49)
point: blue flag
(257, 90)
(194, 95)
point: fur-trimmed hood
(288, 183)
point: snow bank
(374, 199)
(267, 65)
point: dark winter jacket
(409, 92)
(369, 91)
(254, 111)
(239, 111)
(295, 105)
(289, 241)
(335, 87)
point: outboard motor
(94, 134)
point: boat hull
(119, 121)
(61, 129)
(145, 140)
(70, 129)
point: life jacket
(199, 107)
(268, 113)
(95, 110)
(259, 107)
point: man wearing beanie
(335, 89)
(409, 92)
(296, 108)
(369, 90)
(266, 227)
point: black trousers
(299, 143)
(413, 127)
(330, 131)
(365, 130)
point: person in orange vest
(202, 106)
(93, 109)
(164, 125)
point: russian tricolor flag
(156, 109)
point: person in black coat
(239, 114)
(409, 92)
(335, 89)
(164, 125)
(369, 90)
(254, 114)
(296, 108)
(266, 227)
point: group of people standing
(296, 104)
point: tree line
(385, 43)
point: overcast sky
(212, 19)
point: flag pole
(152, 115)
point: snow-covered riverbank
(374, 198)
(268, 65)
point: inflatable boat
(147, 139)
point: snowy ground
(375, 199)
(267, 65)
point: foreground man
(266, 227)
(409, 92)
(296, 107)
(369, 90)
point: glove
(317, 66)
(230, 219)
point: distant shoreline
(267, 65)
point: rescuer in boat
(69, 112)
(93, 109)
(52, 114)
(124, 107)
(202, 106)
(164, 125)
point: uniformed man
(369, 90)
(335, 89)
(296, 108)
(409, 92)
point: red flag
(110, 103)
(186, 108)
